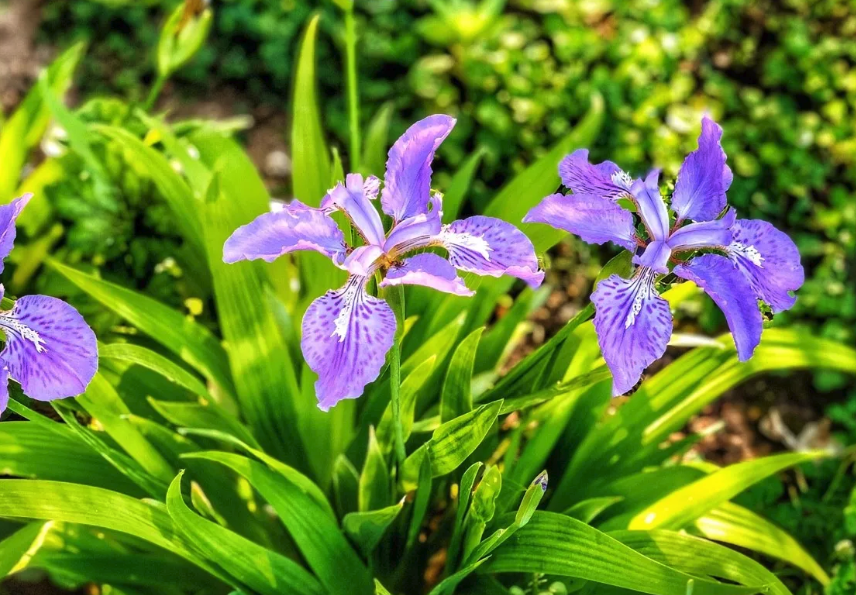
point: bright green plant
(199, 452)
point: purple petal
(354, 198)
(730, 290)
(593, 219)
(295, 227)
(429, 270)
(346, 334)
(8, 216)
(408, 170)
(705, 234)
(703, 178)
(4, 389)
(416, 232)
(489, 246)
(633, 325)
(769, 259)
(603, 180)
(50, 350)
(656, 256)
(363, 261)
(652, 208)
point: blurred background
(778, 75)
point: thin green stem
(353, 95)
(395, 298)
(154, 93)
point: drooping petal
(429, 270)
(602, 180)
(408, 170)
(354, 198)
(703, 178)
(769, 259)
(593, 219)
(417, 231)
(4, 388)
(705, 234)
(346, 335)
(489, 246)
(8, 216)
(730, 290)
(652, 207)
(656, 256)
(295, 227)
(50, 350)
(633, 325)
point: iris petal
(50, 350)
(603, 180)
(703, 178)
(652, 207)
(429, 270)
(592, 218)
(489, 246)
(346, 335)
(705, 234)
(354, 198)
(407, 184)
(8, 216)
(633, 325)
(730, 290)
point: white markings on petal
(645, 288)
(343, 319)
(622, 178)
(11, 324)
(748, 252)
(475, 243)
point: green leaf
(367, 528)
(455, 440)
(701, 557)
(192, 342)
(448, 585)
(262, 570)
(376, 144)
(374, 491)
(420, 502)
(409, 392)
(688, 503)
(17, 549)
(453, 199)
(465, 490)
(554, 544)
(314, 532)
(456, 398)
(738, 526)
(135, 354)
(588, 510)
(346, 488)
(204, 415)
(542, 178)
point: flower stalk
(395, 298)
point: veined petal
(354, 198)
(407, 183)
(730, 290)
(652, 207)
(417, 231)
(593, 219)
(429, 270)
(8, 216)
(363, 261)
(703, 178)
(656, 256)
(50, 350)
(602, 180)
(769, 259)
(4, 388)
(705, 234)
(633, 325)
(346, 335)
(489, 246)
(295, 227)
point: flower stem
(154, 93)
(353, 96)
(395, 298)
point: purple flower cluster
(348, 332)
(735, 261)
(49, 349)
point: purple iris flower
(49, 350)
(347, 332)
(735, 261)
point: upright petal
(50, 350)
(705, 234)
(417, 231)
(408, 170)
(633, 325)
(346, 335)
(769, 259)
(489, 246)
(354, 198)
(295, 227)
(730, 290)
(651, 206)
(363, 261)
(656, 256)
(8, 216)
(603, 180)
(593, 219)
(703, 178)
(429, 270)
